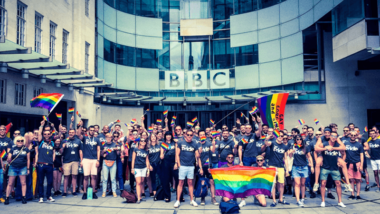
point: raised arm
(40, 130)
(341, 147)
(79, 130)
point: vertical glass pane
(196, 55)
(110, 2)
(147, 8)
(346, 14)
(245, 6)
(268, 3)
(247, 55)
(195, 9)
(146, 58)
(170, 10)
(223, 55)
(126, 6)
(125, 55)
(109, 51)
(170, 56)
(222, 9)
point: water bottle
(89, 193)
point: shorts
(375, 164)
(17, 171)
(335, 174)
(280, 174)
(249, 161)
(71, 168)
(352, 174)
(141, 173)
(89, 167)
(300, 172)
(365, 163)
(186, 172)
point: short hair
(296, 130)
(333, 125)
(64, 126)
(372, 131)
(135, 130)
(96, 126)
(351, 124)
(108, 135)
(310, 128)
(118, 125)
(230, 154)
(346, 127)
(265, 125)
(72, 130)
(333, 132)
(91, 127)
(225, 131)
(306, 126)
(201, 130)
(177, 126)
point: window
(21, 14)
(37, 91)
(247, 55)
(65, 40)
(37, 32)
(87, 7)
(3, 18)
(87, 56)
(20, 94)
(3, 91)
(53, 28)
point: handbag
(109, 163)
(9, 164)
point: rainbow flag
(365, 129)
(79, 114)
(166, 113)
(215, 134)
(109, 151)
(316, 121)
(212, 122)
(3, 153)
(262, 137)
(133, 121)
(147, 110)
(272, 109)
(297, 145)
(46, 100)
(150, 129)
(194, 120)
(276, 133)
(165, 146)
(159, 121)
(71, 110)
(117, 121)
(172, 123)
(174, 118)
(190, 124)
(243, 181)
(103, 143)
(53, 132)
(241, 114)
(127, 145)
(126, 124)
(207, 162)
(301, 121)
(203, 138)
(45, 118)
(59, 116)
(244, 141)
(255, 109)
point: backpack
(201, 190)
(230, 206)
(159, 196)
(129, 196)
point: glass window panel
(346, 14)
(109, 51)
(146, 58)
(221, 34)
(222, 9)
(196, 55)
(170, 11)
(126, 6)
(268, 3)
(195, 9)
(110, 2)
(171, 36)
(170, 56)
(245, 6)
(247, 55)
(223, 55)
(147, 8)
(221, 25)
(125, 55)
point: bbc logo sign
(197, 80)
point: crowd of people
(174, 158)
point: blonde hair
(17, 138)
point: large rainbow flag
(243, 181)
(272, 109)
(46, 100)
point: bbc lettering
(196, 80)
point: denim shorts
(300, 172)
(335, 174)
(16, 171)
(186, 172)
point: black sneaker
(143, 195)
(138, 202)
(84, 197)
(151, 195)
(23, 199)
(312, 195)
(6, 202)
(74, 194)
(64, 195)
(182, 200)
(59, 192)
(366, 188)
(94, 196)
(351, 197)
(284, 202)
(55, 193)
(330, 195)
(110, 193)
(358, 197)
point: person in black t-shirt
(57, 173)
(154, 149)
(109, 153)
(229, 163)
(140, 167)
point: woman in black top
(154, 159)
(109, 152)
(140, 167)
(57, 171)
(18, 157)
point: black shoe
(366, 188)
(23, 199)
(59, 192)
(143, 195)
(351, 197)
(94, 196)
(374, 185)
(182, 200)
(110, 193)
(294, 195)
(330, 195)
(55, 193)
(138, 202)
(166, 200)
(151, 195)
(6, 202)
(312, 195)
(64, 195)
(358, 198)
(18, 199)
(74, 194)
(84, 197)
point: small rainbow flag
(190, 124)
(126, 124)
(174, 118)
(127, 145)
(147, 110)
(53, 132)
(103, 143)
(133, 121)
(46, 100)
(117, 121)
(137, 139)
(262, 137)
(243, 181)
(212, 122)
(194, 120)
(316, 121)
(71, 110)
(165, 113)
(45, 118)
(165, 146)
(203, 138)
(276, 133)
(172, 123)
(150, 128)
(215, 134)
(3, 153)
(243, 140)
(59, 116)
(301, 121)
(255, 109)
(207, 162)
(298, 145)
(365, 129)
(109, 151)
(241, 114)
(159, 121)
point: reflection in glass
(247, 55)
(146, 58)
(346, 14)
(109, 51)
(170, 56)
(125, 55)
(223, 54)
(195, 9)
(110, 2)
(196, 55)
(147, 8)
(127, 6)
(245, 6)
(222, 9)
(170, 11)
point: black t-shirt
(71, 151)
(89, 147)
(5, 143)
(58, 158)
(169, 154)
(330, 159)
(187, 154)
(132, 146)
(225, 148)
(22, 160)
(206, 151)
(102, 138)
(300, 156)
(45, 152)
(154, 153)
(113, 154)
(345, 140)
(374, 147)
(32, 153)
(250, 148)
(353, 151)
(277, 153)
(140, 160)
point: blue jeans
(29, 187)
(1, 182)
(249, 161)
(152, 175)
(112, 171)
(42, 172)
(119, 174)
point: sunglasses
(115, 136)
(334, 136)
(346, 130)
(20, 141)
(2, 129)
(16, 133)
(178, 129)
(189, 135)
(298, 139)
(46, 134)
(260, 160)
(353, 135)
(318, 134)
(230, 157)
(281, 135)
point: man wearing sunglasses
(248, 151)
(260, 197)
(314, 156)
(131, 141)
(374, 148)
(5, 143)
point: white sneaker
(300, 204)
(41, 200)
(193, 203)
(349, 188)
(242, 203)
(341, 204)
(51, 199)
(303, 201)
(315, 187)
(323, 204)
(176, 204)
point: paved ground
(370, 204)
